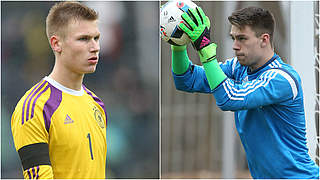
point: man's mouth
(239, 54)
(93, 60)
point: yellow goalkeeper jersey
(60, 133)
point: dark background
(126, 79)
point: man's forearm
(214, 73)
(180, 59)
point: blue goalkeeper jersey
(269, 115)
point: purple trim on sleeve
(51, 105)
(98, 101)
(29, 173)
(33, 173)
(35, 100)
(24, 103)
(38, 168)
(30, 99)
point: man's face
(246, 46)
(80, 46)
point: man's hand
(200, 24)
(199, 33)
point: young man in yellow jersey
(59, 126)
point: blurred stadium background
(198, 139)
(126, 79)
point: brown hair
(260, 20)
(63, 12)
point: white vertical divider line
(317, 57)
(159, 79)
(0, 91)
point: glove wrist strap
(208, 53)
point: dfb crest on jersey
(98, 117)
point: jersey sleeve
(195, 79)
(273, 86)
(38, 172)
(31, 140)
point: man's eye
(83, 39)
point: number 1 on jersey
(90, 146)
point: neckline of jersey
(275, 56)
(63, 88)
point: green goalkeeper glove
(199, 33)
(199, 24)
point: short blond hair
(62, 13)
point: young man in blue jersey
(263, 91)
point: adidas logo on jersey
(68, 120)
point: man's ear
(265, 40)
(55, 42)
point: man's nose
(95, 46)
(235, 45)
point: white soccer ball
(170, 18)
